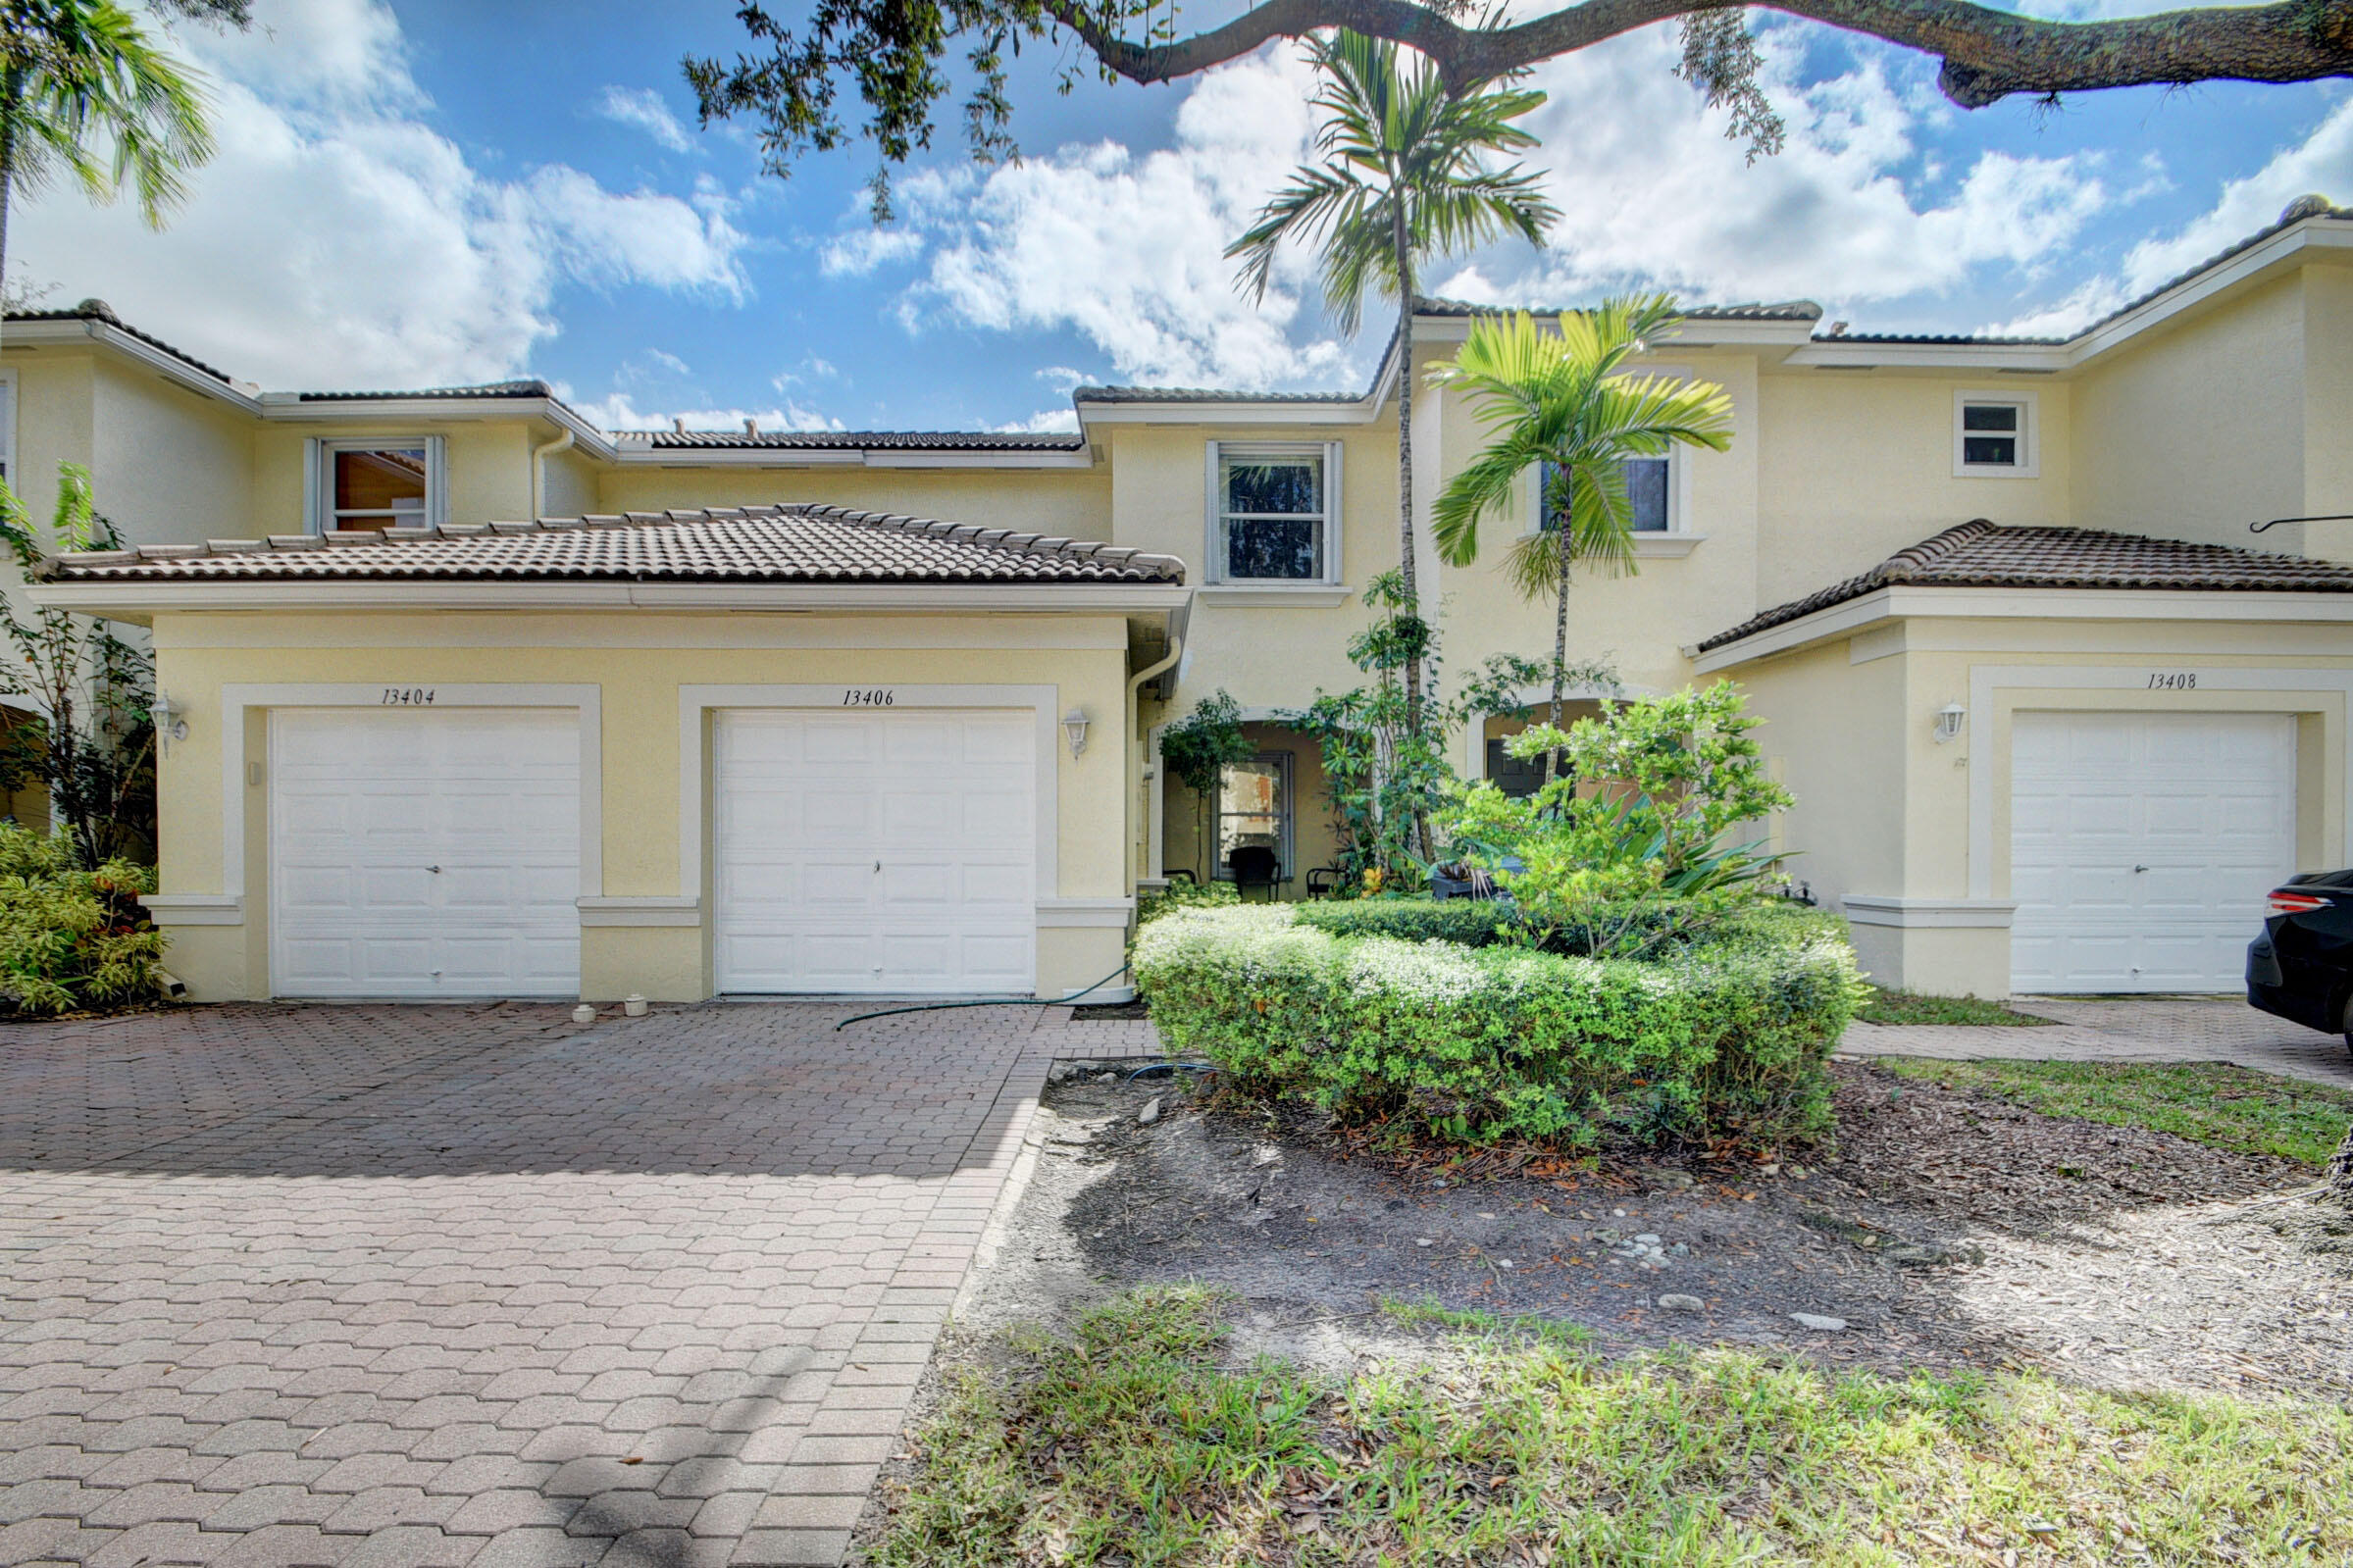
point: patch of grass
(1135, 1443)
(1429, 1314)
(2208, 1102)
(1911, 1008)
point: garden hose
(985, 1001)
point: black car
(2301, 968)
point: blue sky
(433, 191)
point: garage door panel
(365, 803)
(2142, 844)
(807, 806)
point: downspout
(539, 459)
(1146, 768)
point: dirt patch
(1948, 1229)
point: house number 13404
(868, 697)
(407, 698)
(2174, 681)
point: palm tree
(1561, 402)
(1404, 175)
(86, 95)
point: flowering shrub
(1724, 1036)
(72, 939)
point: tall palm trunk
(12, 93)
(1552, 757)
(1404, 252)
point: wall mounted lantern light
(1074, 726)
(171, 720)
(1951, 720)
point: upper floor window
(1274, 512)
(1994, 433)
(377, 483)
(1650, 493)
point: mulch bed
(1946, 1229)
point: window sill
(1284, 595)
(1651, 546)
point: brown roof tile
(1985, 555)
(727, 545)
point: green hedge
(1725, 1038)
(1486, 922)
(72, 939)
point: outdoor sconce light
(1074, 726)
(1950, 719)
(171, 720)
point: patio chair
(1254, 866)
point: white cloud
(620, 412)
(642, 108)
(1125, 248)
(1046, 422)
(336, 239)
(1653, 193)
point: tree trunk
(1551, 756)
(1420, 825)
(2340, 1172)
(12, 92)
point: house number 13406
(2174, 681)
(868, 697)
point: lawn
(2208, 1102)
(1911, 1008)
(1134, 1441)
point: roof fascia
(1690, 331)
(1898, 603)
(1830, 353)
(142, 600)
(2227, 275)
(64, 334)
(294, 408)
(1200, 411)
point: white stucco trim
(654, 910)
(1107, 913)
(1988, 680)
(238, 700)
(1873, 909)
(695, 703)
(2023, 604)
(195, 909)
(1308, 596)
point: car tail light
(2288, 901)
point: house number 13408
(868, 697)
(2174, 681)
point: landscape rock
(1816, 1323)
(1673, 1302)
(1673, 1181)
(1151, 1112)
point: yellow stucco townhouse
(466, 696)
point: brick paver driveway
(444, 1284)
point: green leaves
(71, 937)
(1564, 397)
(1404, 175)
(76, 76)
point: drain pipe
(1135, 717)
(539, 460)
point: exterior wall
(637, 663)
(54, 405)
(1854, 465)
(489, 467)
(569, 484)
(1885, 812)
(2197, 428)
(1069, 503)
(170, 466)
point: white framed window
(1654, 492)
(377, 483)
(1995, 435)
(1254, 818)
(1274, 512)
(8, 426)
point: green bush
(1472, 922)
(72, 939)
(1632, 928)
(1187, 894)
(1722, 1038)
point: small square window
(1274, 514)
(378, 483)
(1993, 436)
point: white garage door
(884, 852)
(424, 852)
(2142, 843)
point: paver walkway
(2137, 1029)
(441, 1284)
